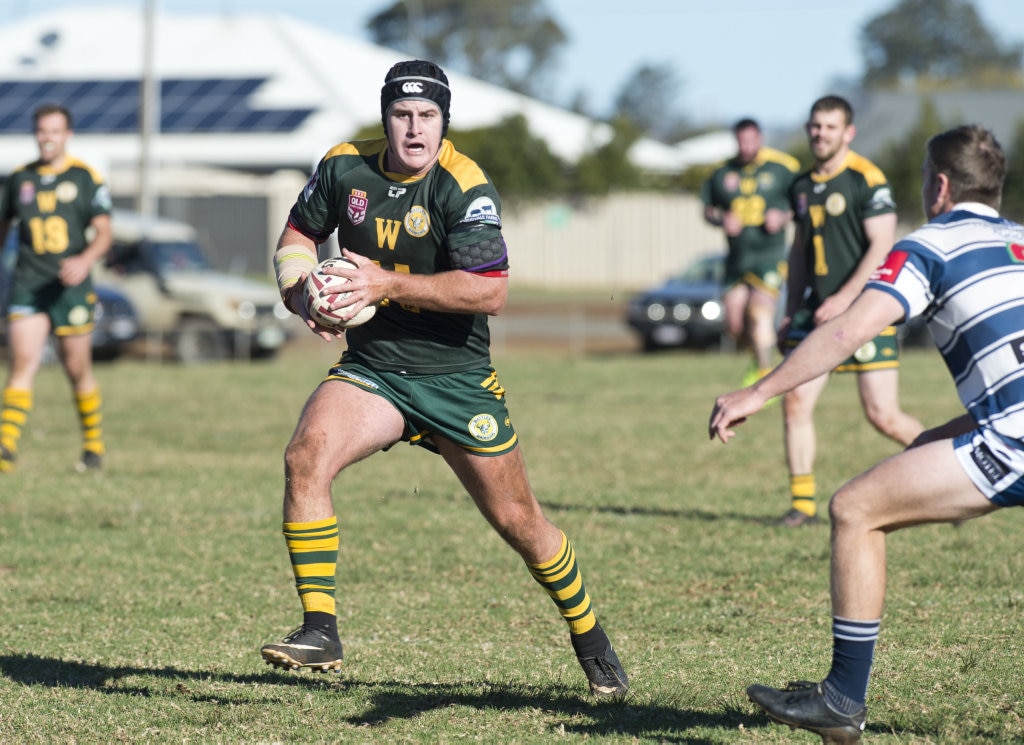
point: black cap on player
(417, 80)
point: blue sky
(764, 58)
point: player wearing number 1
(748, 197)
(62, 210)
(845, 225)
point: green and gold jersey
(448, 219)
(830, 212)
(53, 209)
(749, 190)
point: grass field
(134, 600)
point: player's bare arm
(454, 291)
(823, 349)
(75, 269)
(776, 220)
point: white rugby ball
(319, 307)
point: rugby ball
(319, 307)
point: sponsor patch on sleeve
(482, 210)
(1016, 251)
(890, 268)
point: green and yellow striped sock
(562, 579)
(313, 551)
(90, 414)
(803, 490)
(16, 405)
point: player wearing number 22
(422, 224)
(748, 197)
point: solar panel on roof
(187, 106)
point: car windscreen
(177, 256)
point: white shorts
(996, 469)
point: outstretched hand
(732, 409)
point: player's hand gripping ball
(319, 307)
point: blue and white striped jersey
(964, 272)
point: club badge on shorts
(483, 427)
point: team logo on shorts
(78, 316)
(417, 222)
(866, 353)
(357, 203)
(483, 427)
(835, 205)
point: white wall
(626, 241)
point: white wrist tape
(290, 263)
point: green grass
(133, 601)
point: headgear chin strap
(416, 80)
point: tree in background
(511, 43)
(649, 99)
(608, 168)
(1013, 189)
(901, 161)
(521, 164)
(935, 41)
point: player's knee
(517, 525)
(850, 508)
(303, 452)
(842, 510)
(796, 408)
(882, 420)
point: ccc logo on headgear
(412, 87)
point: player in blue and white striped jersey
(963, 271)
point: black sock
(590, 643)
(323, 622)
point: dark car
(687, 311)
(117, 323)
(684, 311)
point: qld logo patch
(357, 203)
(27, 192)
(483, 427)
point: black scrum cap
(417, 80)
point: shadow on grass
(705, 515)
(392, 700)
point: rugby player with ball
(421, 225)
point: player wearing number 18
(422, 224)
(62, 210)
